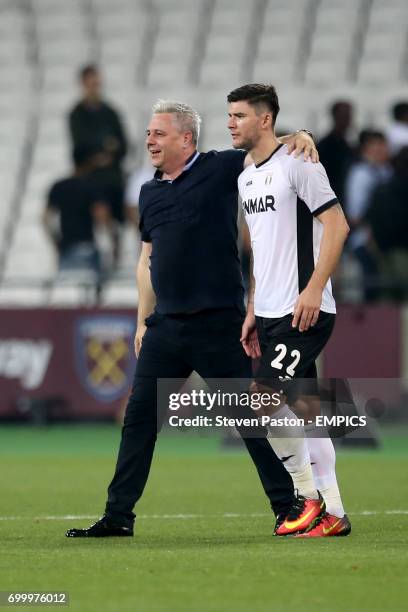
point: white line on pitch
(80, 517)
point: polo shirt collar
(190, 161)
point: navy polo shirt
(192, 225)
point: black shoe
(103, 528)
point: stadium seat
(51, 27)
(388, 18)
(117, 293)
(284, 20)
(274, 71)
(384, 45)
(194, 52)
(376, 71)
(327, 70)
(119, 7)
(162, 74)
(28, 237)
(71, 290)
(120, 51)
(66, 54)
(226, 73)
(32, 207)
(38, 264)
(60, 8)
(23, 296)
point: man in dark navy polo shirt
(191, 306)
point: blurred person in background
(397, 133)
(387, 216)
(371, 170)
(335, 152)
(132, 194)
(95, 124)
(74, 206)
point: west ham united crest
(104, 355)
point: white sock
(323, 458)
(291, 446)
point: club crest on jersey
(268, 179)
(256, 205)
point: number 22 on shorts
(282, 349)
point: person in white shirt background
(372, 170)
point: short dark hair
(87, 71)
(257, 94)
(367, 136)
(400, 111)
(339, 105)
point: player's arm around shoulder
(297, 143)
(301, 142)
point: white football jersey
(280, 199)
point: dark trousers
(173, 347)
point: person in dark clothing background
(387, 217)
(335, 152)
(78, 204)
(397, 133)
(372, 170)
(96, 125)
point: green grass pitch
(203, 540)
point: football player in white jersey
(297, 231)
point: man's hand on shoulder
(301, 142)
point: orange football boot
(301, 516)
(328, 526)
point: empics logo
(256, 205)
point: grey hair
(187, 118)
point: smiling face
(247, 123)
(167, 145)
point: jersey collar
(268, 158)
